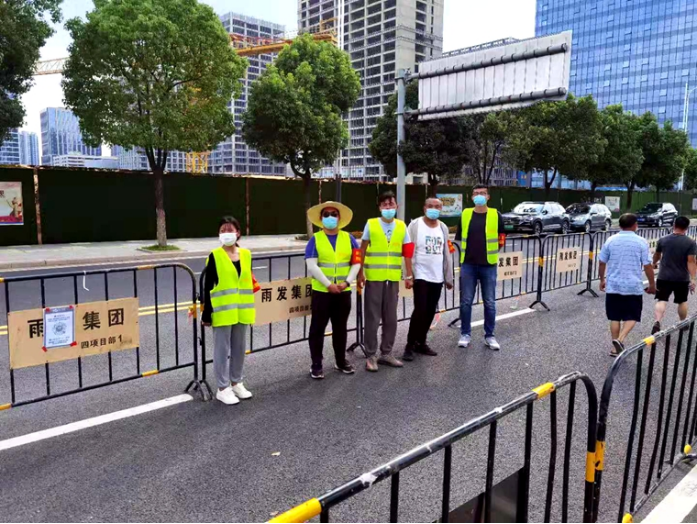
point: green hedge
(25, 234)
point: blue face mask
(433, 214)
(479, 200)
(330, 222)
(388, 214)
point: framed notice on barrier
(510, 265)
(568, 259)
(59, 327)
(613, 204)
(283, 300)
(37, 336)
(653, 242)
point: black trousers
(326, 307)
(426, 297)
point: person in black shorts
(677, 271)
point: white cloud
(467, 22)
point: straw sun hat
(315, 213)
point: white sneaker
(492, 343)
(227, 396)
(241, 392)
(464, 341)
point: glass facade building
(60, 135)
(20, 147)
(640, 53)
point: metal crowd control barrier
(60, 378)
(393, 470)
(659, 431)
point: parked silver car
(589, 217)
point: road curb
(137, 259)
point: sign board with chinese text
(653, 242)
(568, 259)
(613, 204)
(283, 300)
(452, 205)
(100, 327)
(11, 205)
(510, 265)
(59, 327)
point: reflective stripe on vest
(334, 263)
(492, 234)
(383, 260)
(233, 297)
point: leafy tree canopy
(24, 29)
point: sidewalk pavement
(84, 253)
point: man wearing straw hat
(333, 261)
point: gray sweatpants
(381, 300)
(228, 356)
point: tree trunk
(432, 185)
(549, 183)
(158, 172)
(594, 186)
(630, 191)
(307, 184)
(658, 195)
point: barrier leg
(538, 299)
(359, 326)
(589, 279)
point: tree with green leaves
(558, 137)
(691, 169)
(294, 108)
(434, 147)
(486, 135)
(24, 29)
(666, 159)
(152, 74)
(622, 158)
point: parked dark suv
(657, 214)
(589, 217)
(537, 217)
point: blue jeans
(470, 274)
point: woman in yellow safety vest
(229, 307)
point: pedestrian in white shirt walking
(433, 266)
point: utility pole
(402, 77)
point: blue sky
(467, 22)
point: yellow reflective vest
(492, 234)
(383, 260)
(334, 263)
(233, 297)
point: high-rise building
(233, 156)
(29, 148)
(10, 150)
(641, 53)
(382, 37)
(136, 160)
(60, 135)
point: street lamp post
(685, 120)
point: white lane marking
(506, 316)
(91, 422)
(260, 267)
(679, 503)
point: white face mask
(228, 239)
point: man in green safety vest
(481, 235)
(385, 244)
(333, 261)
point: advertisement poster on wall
(452, 205)
(11, 206)
(613, 204)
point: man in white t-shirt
(433, 266)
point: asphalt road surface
(297, 438)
